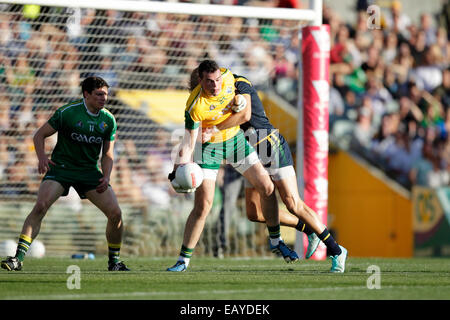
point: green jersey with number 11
(80, 135)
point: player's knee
(293, 204)
(253, 216)
(266, 189)
(202, 208)
(40, 208)
(115, 215)
(252, 212)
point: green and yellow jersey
(210, 111)
(80, 135)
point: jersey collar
(87, 110)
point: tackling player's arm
(39, 146)
(107, 162)
(238, 118)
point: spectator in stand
(399, 158)
(284, 74)
(418, 44)
(108, 72)
(363, 131)
(443, 44)
(422, 167)
(426, 24)
(397, 20)
(428, 74)
(379, 96)
(381, 141)
(340, 57)
(402, 63)
(442, 92)
(390, 50)
(408, 111)
(439, 176)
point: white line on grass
(149, 294)
(162, 293)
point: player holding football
(209, 104)
(84, 129)
(274, 152)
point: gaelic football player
(210, 103)
(85, 128)
(273, 151)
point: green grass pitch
(230, 279)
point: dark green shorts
(82, 181)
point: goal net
(145, 51)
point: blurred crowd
(390, 92)
(45, 52)
(389, 86)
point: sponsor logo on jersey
(103, 126)
(79, 124)
(212, 107)
(84, 138)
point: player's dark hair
(194, 80)
(208, 66)
(91, 83)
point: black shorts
(81, 181)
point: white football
(37, 249)
(189, 175)
(8, 248)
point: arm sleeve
(55, 120)
(190, 123)
(243, 86)
(112, 136)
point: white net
(146, 58)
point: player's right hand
(207, 133)
(176, 186)
(43, 165)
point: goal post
(145, 50)
(306, 15)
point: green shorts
(81, 181)
(233, 151)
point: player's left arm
(107, 162)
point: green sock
(114, 252)
(23, 246)
(185, 255)
(186, 252)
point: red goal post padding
(316, 60)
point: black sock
(303, 228)
(333, 247)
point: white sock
(274, 241)
(185, 260)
